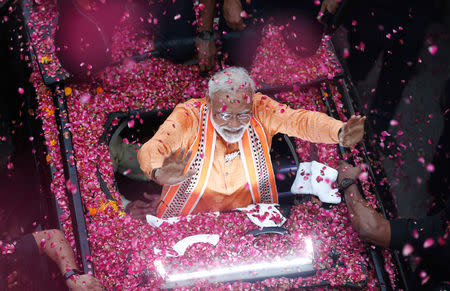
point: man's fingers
(12, 280)
(183, 157)
(333, 7)
(359, 123)
(187, 157)
(189, 174)
(170, 157)
(180, 156)
(330, 5)
(323, 7)
(316, 201)
(13, 285)
(12, 277)
(354, 120)
(139, 214)
(181, 153)
(237, 25)
(143, 205)
(362, 120)
(211, 62)
(201, 59)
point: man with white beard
(214, 153)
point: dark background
(25, 196)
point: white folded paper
(302, 182)
(181, 246)
(317, 179)
(264, 215)
(322, 179)
(156, 222)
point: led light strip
(285, 267)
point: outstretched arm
(313, 126)
(420, 234)
(366, 221)
(57, 248)
(177, 132)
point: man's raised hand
(172, 170)
(330, 5)
(232, 12)
(352, 132)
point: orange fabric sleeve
(308, 125)
(177, 132)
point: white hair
(231, 79)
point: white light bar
(255, 271)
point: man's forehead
(242, 97)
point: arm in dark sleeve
(26, 248)
(3, 273)
(26, 257)
(416, 231)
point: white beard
(227, 137)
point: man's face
(231, 114)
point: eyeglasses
(242, 117)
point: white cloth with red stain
(264, 215)
(302, 183)
(317, 179)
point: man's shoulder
(260, 100)
(262, 103)
(260, 96)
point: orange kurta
(227, 185)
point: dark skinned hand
(139, 209)
(13, 282)
(330, 5)
(232, 13)
(346, 170)
(206, 54)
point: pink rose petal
(407, 250)
(85, 97)
(432, 49)
(428, 242)
(430, 168)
